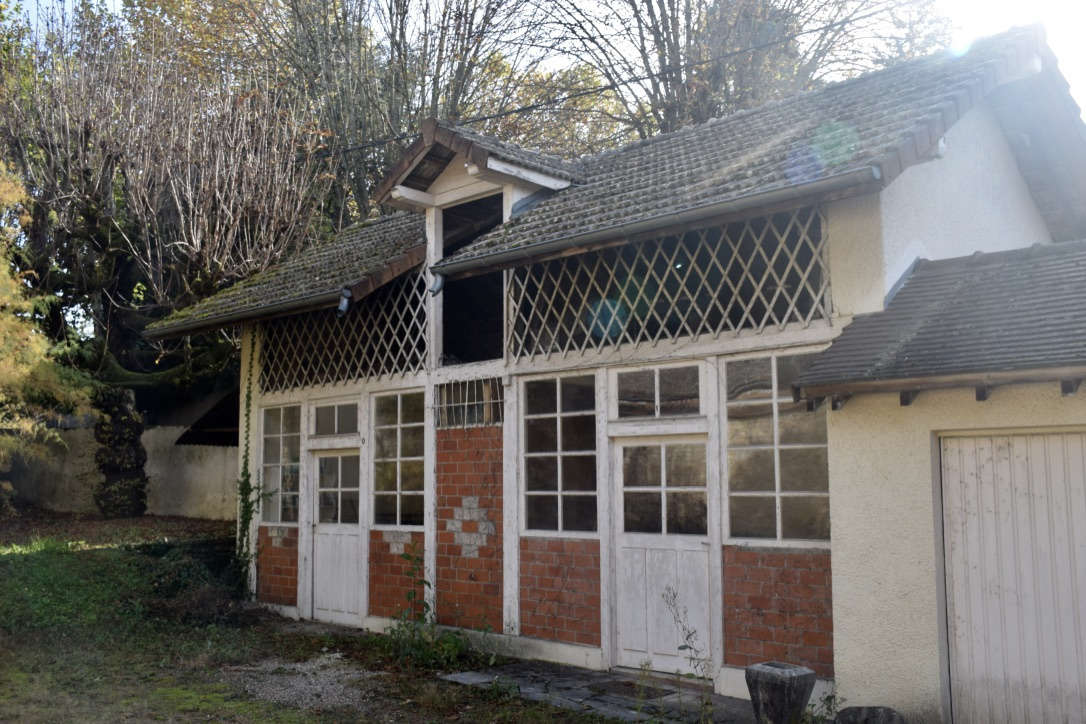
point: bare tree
(675, 63)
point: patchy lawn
(92, 629)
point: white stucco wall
(853, 233)
(972, 199)
(886, 596)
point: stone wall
(560, 589)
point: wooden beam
(515, 171)
(413, 197)
(814, 403)
(983, 392)
(838, 401)
(907, 397)
(1070, 387)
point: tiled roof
(529, 158)
(313, 278)
(886, 120)
(1007, 311)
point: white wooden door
(1014, 531)
(337, 560)
(662, 555)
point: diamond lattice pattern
(748, 275)
(383, 334)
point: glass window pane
(685, 465)
(411, 476)
(789, 369)
(679, 391)
(641, 465)
(750, 425)
(349, 469)
(384, 476)
(270, 481)
(384, 509)
(271, 450)
(806, 517)
(637, 394)
(749, 379)
(411, 441)
(411, 408)
(579, 472)
(578, 393)
(541, 473)
(292, 419)
(269, 507)
(799, 426)
(328, 472)
(686, 513)
(805, 470)
(750, 470)
(542, 512)
(326, 420)
(541, 435)
(579, 432)
(752, 517)
(347, 419)
(290, 477)
(385, 411)
(641, 512)
(328, 508)
(578, 512)
(385, 443)
(411, 510)
(292, 448)
(288, 511)
(348, 511)
(540, 397)
(271, 421)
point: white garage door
(1014, 509)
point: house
(703, 384)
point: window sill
(572, 534)
(689, 425)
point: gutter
(837, 182)
(327, 299)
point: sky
(1064, 22)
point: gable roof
(439, 141)
(1001, 313)
(361, 258)
(848, 137)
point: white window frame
(260, 465)
(776, 446)
(522, 456)
(370, 473)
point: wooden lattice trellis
(766, 271)
(382, 334)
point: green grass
(81, 642)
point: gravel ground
(326, 682)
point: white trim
(605, 524)
(714, 491)
(650, 426)
(521, 173)
(412, 197)
(511, 509)
(429, 499)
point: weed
(415, 637)
(824, 709)
(690, 648)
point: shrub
(120, 456)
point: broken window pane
(641, 466)
(540, 397)
(578, 393)
(750, 425)
(679, 391)
(685, 465)
(579, 472)
(637, 394)
(541, 473)
(805, 470)
(749, 379)
(686, 513)
(750, 470)
(542, 512)
(641, 512)
(578, 512)
(806, 517)
(753, 517)
(579, 432)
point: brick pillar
(277, 565)
(469, 527)
(391, 574)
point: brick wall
(778, 606)
(391, 576)
(277, 565)
(560, 589)
(469, 527)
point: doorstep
(627, 696)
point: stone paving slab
(615, 695)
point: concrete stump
(868, 715)
(779, 691)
